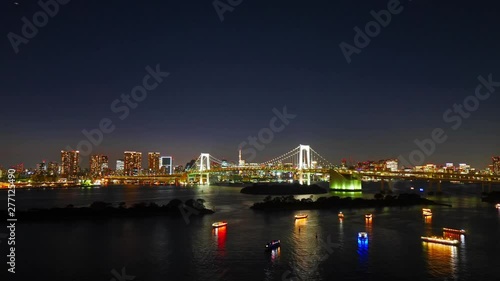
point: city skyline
(225, 78)
(250, 140)
(145, 162)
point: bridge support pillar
(439, 186)
(389, 185)
(305, 177)
(207, 175)
(204, 166)
(304, 163)
(382, 185)
(489, 187)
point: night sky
(226, 78)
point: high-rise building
(166, 165)
(464, 168)
(53, 168)
(178, 169)
(41, 168)
(69, 163)
(98, 165)
(120, 165)
(391, 165)
(496, 164)
(241, 162)
(132, 163)
(105, 165)
(430, 168)
(153, 162)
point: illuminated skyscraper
(120, 165)
(69, 163)
(166, 165)
(41, 168)
(98, 165)
(132, 163)
(153, 162)
(391, 165)
(241, 162)
(496, 164)
(53, 168)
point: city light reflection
(300, 226)
(442, 260)
(363, 252)
(275, 254)
(368, 226)
(220, 236)
(428, 219)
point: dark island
(333, 202)
(283, 189)
(102, 210)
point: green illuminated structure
(339, 182)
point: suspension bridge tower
(304, 164)
(204, 166)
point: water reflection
(220, 236)
(442, 260)
(369, 227)
(428, 219)
(275, 254)
(363, 252)
(347, 194)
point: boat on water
(341, 215)
(368, 216)
(455, 231)
(362, 236)
(219, 224)
(301, 216)
(273, 244)
(426, 212)
(440, 240)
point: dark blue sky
(226, 77)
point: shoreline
(102, 210)
(283, 189)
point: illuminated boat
(273, 244)
(301, 216)
(362, 236)
(497, 206)
(455, 231)
(341, 215)
(368, 216)
(219, 224)
(440, 240)
(427, 212)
